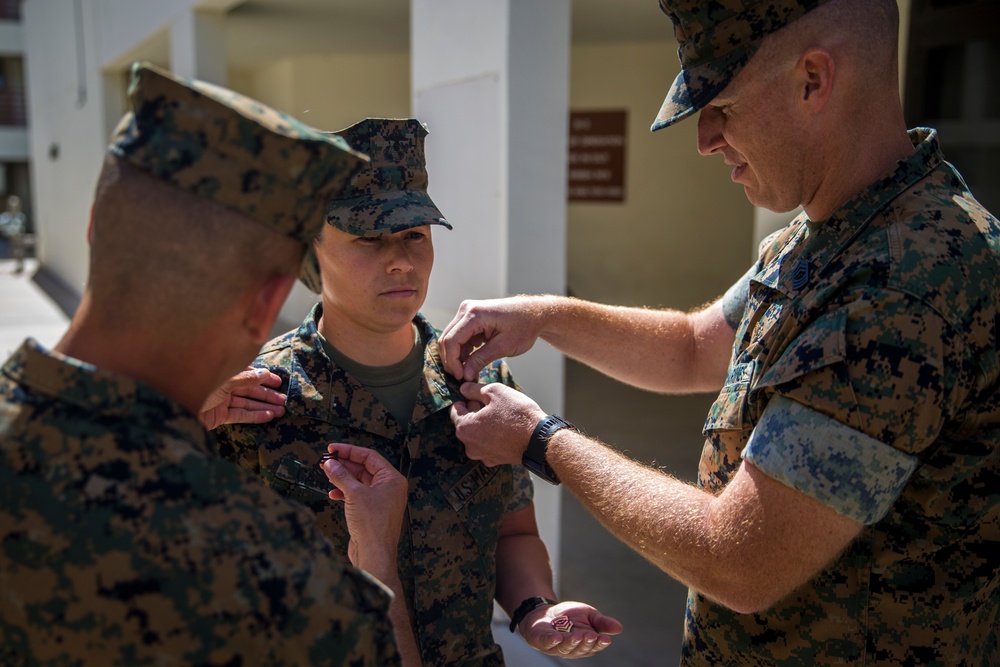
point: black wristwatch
(534, 455)
(525, 608)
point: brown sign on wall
(597, 156)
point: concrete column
(491, 80)
(198, 46)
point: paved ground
(25, 309)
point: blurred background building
(14, 172)
(539, 153)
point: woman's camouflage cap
(716, 40)
(389, 194)
(233, 150)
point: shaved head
(167, 261)
(866, 30)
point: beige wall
(683, 234)
(332, 91)
(329, 92)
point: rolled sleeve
(845, 469)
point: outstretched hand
(590, 633)
(248, 397)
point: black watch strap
(534, 455)
(526, 608)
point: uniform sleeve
(315, 604)
(734, 301)
(846, 470)
(859, 395)
(524, 489)
(359, 633)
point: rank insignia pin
(562, 623)
(800, 274)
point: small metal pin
(562, 623)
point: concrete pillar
(491, 80)
(198, 46)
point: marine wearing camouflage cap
(455, 506)
(389, 194)
(716, 40)
(125, 539)
(233, 150)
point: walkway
(26, 309)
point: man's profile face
(753, 125)
(377, 282)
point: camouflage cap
(389, 194)
(716, 40)
(233, 150)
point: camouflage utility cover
(389, 194)
(866, 374)
(125, 540)
(455, 506)
(716, 40)
(233, 150)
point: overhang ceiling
(262, 30)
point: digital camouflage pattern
(455, 507)
(125, 540)
(716, 40)
(233, 150)
(866, 374)
(389, 194)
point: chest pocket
(822, 343)
(729, 412)
(812, 370)
(297, 480)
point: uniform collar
(314, 377)
(100, 392)
(801, 264)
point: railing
(12, 108)
(10, 10)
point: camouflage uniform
(455, 506)
(124, 539)
(866, 375)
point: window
(953, 66)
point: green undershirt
(395, 386)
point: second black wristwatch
(534, 455)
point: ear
(266, 305)
(816, 70)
